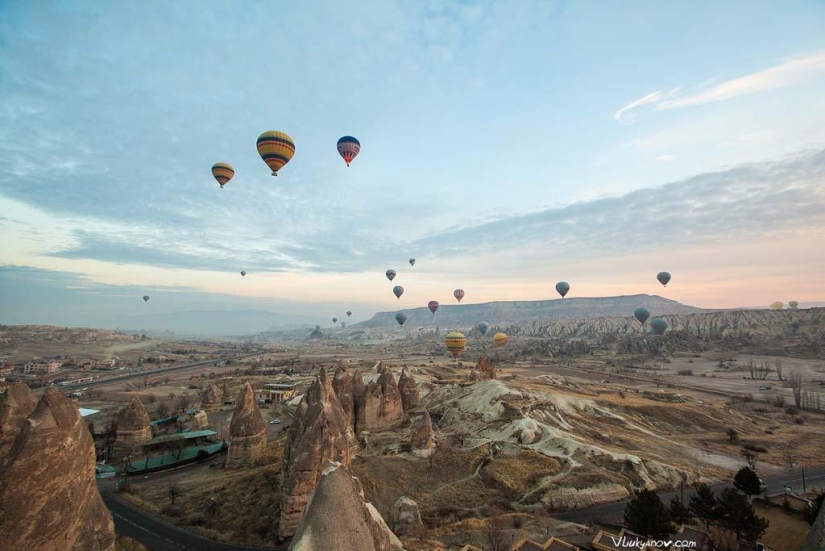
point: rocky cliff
(342, 385)
(48, 494)
(379, 406)
(16, 404)
(247, 431)
(408, 388)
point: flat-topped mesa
(16, 404)
(485, 369)
(379, 406)
(409, 391)
(247, 431)
(48, 492)
(323, 434)
(212, 398)
(423, 439)
(336, 512)
(342, 385)
(133, 428)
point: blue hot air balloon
(659, 326)
(642, 314)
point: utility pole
(804, 490)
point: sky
(505, 145)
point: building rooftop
(181, 436)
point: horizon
(602, 162)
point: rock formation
(212, 398)
(337, 518)
(133, 428)
(322, 435)
(379, 406)
(48, 495)
(423, 440)
(406, 518)
(247, 431)
(342, 385)
(199, 420)
(16, 404)
(409, 391)
(485, 369)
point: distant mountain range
(515, 312)
(213, 323)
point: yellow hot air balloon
(777, 305)
(500, 339)
(455, 342)
(223, 172)
(276, 149)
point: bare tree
(779, 369)
(497, 540)
(173, 491)
(795, 384)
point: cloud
(788, 73)
(664, 158)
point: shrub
(685, 372)
(171, 511)
(755, 448)
(799, 420)
(196, 519)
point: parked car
(765, 387)
(275, 422)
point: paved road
(613, 512)
(157, 534)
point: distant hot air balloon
(334, 320)
(562, 288)
(659, 326)
(433, 306)
(400, 317)
(777, 305)
(243, 273)
(458, 294)
(222, 172)
(412, 262)
(145, 298)
(663, 278)
(500, 339)
(348, 148)
(349, 313)
(641, 314)
(390, 274)
(276, 149)
(455, 342)
(793, 305)
(398, 290)
(483, 327)
(343, 324)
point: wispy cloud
(788, 73)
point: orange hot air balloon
(500, 339)
(222, 172)
(276, 149)
(455, 342)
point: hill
(519, 312)
(215, 322)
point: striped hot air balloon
(222, 172)
(276, 149)
(458, 294)
(456, 343)
(500, 339)
(348, 148)
(433, 306)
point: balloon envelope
(500, 339)
(276, 149)
(433, 306)
(243, 273)
(412, 262)
(483, 327)
(663, 277)
(793, 305)
(343, 324)
(659, 326)
(145, 298)
(642, 314)
(562, 288)
(455, 342)
(222, 172)
(334, 320)
(349, 313)
(777, 305)
(458, 294)
(390, 274)
(398, 290)
(348, 148)
(400, 317)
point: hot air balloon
(455, 342)
(433, 306)
(343, 324)
(349, 313)
(500, 339)
(400, 317)
(777, 305)
(334, 320)
(659, 326)
(483, 327)
(458, 294)
(412, 262)
(663, 278)
(145, 298)
(243, 273)
(276, 149)
(348, 148)
(793, 305)
(398, 290)
(222, 172)
(562, 288)
(641, 314)
(390, 274)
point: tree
(704, 505)
(161, 411)
(795, 384)
(750, 457)
(733, 436)
(679, 512)
(497, 540)
(747, 482)
(647, 515)
(173, 491)
(737, 515)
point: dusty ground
(786, 530)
